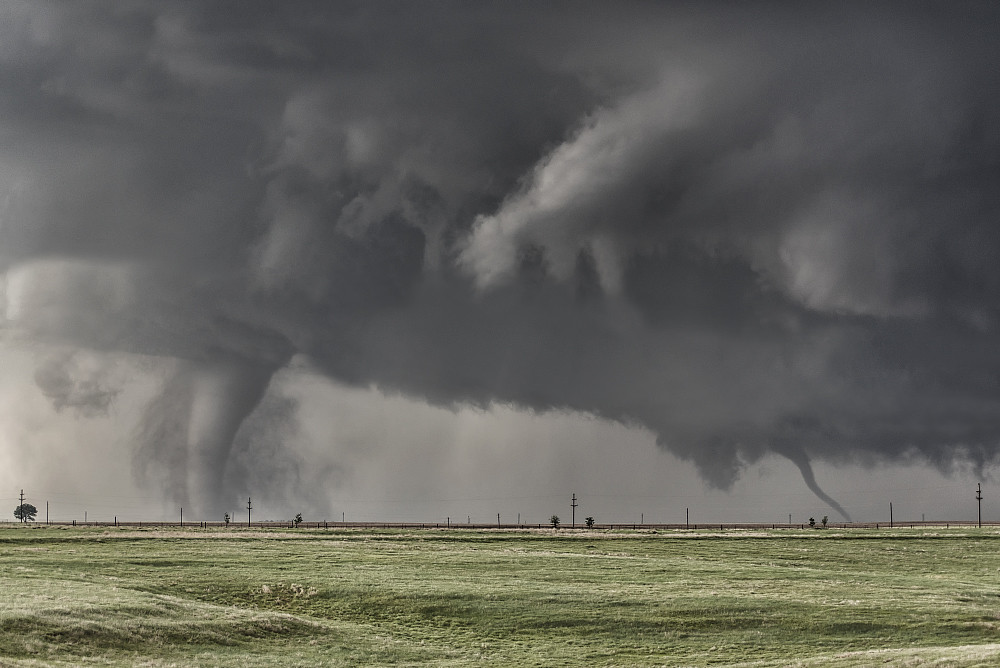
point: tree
(812, 522)
(554, 521)
(226, 518)
(25, 512)
(298, 519)
(590, 522)
(824, 520)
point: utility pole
(979, 498)
(21, 507)
(182, 516)
(890, 514)
(687, 518)
(573, 505)
(46, 512)
(249, 508)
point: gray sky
(411, 261)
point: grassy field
(860, 597)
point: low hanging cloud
(87, 388)
(751, 234)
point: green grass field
(860, 597)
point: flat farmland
(239, 597)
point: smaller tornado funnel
(799, 457)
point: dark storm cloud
(751, 229)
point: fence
(616, 526)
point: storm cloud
(750, 229)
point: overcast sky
(412, 261)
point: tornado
(224, 395)
(799, 457)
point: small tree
(590, 522)
(226, 518)
(298, 519)
(824, 520)
(812, 522)
(25, 512)
(554, 521)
